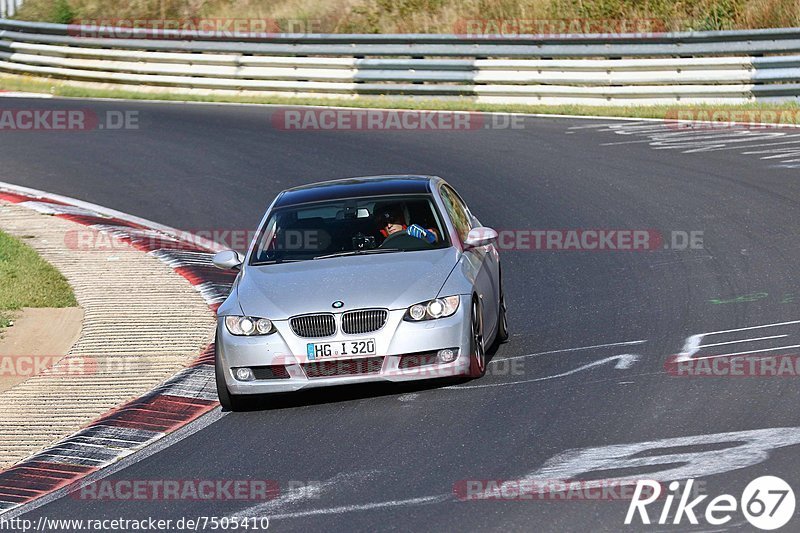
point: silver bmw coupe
(387, 278)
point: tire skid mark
(707, 137)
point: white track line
(339, 107)
(624, 361)
(15, 94)
(749, 328)
(742, 340)
(347, 108)
(305, 493)
(626, 343)
(364, 507)
(744, 353)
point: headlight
(248, 326)
(433, 309)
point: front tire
(477, 351)
(228, 401)
(502, 322)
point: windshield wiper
(275, 262)
(360, 252)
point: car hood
(392, 281)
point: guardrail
(692, 67)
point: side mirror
(228, 260)
(478, 237)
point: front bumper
(397, 338)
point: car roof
(355, 187)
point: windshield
(383, 224)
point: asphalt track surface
(388, 457)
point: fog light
(244, 374)
(447, 355)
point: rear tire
(477, 350)
(228, 401)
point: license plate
(324, 350)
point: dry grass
(430, 16)
(67, 89)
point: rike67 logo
(767, 502)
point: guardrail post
(8, 8)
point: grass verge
(27, 280)
(10, 82)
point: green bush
(62, 12)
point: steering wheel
(404, 241)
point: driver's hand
(419, 232)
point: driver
(390, 222)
